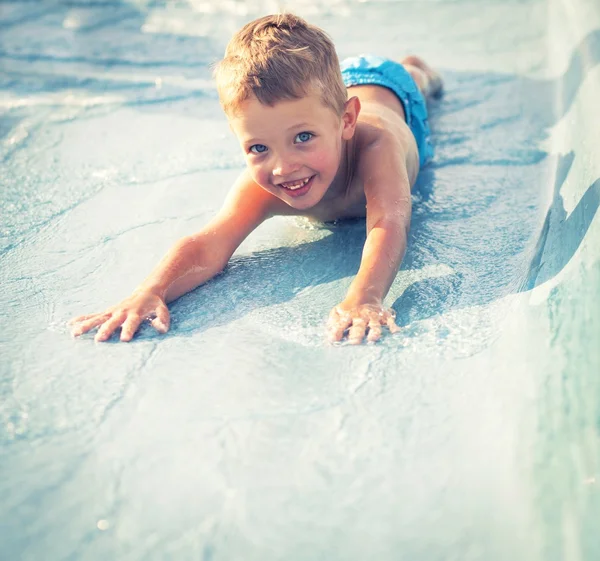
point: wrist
(150, 289)
(356, 298)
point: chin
(301, 205)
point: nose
(285, 165)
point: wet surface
(472, 434)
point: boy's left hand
(360, 321)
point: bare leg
(427, 79)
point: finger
(89, 324)
(109, 326)
(337, 324)
(335, 334)
(374, 331)
(357, 332)
(391, 323)
(79, 319)
(337, 317)
(162, 321)
(336, 331)
(337, 328)
(333, 316)
(130, 326)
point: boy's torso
(381, 125)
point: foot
(429, 81)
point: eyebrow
(295, 126)
(299, 125)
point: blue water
(473, 434)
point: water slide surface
(473, 434)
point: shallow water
(472, 434)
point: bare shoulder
(246, 206)
(384, 139)
(387, 163)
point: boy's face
(293, 149)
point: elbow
(220, 266)
(396, 224)
(393, 216)
(202, 251)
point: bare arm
(388, 222)
(387, 190)
(190, 262)
(197, 258)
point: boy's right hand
(129, 314)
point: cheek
(326, 160)
(259, 173)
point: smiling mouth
(295, 185)
(297, 188)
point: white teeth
(296, 184)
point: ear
(349, 117)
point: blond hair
(279, 57)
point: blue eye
(258, 148)
(303, 137)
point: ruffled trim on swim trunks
(373, 70)
(370, 78)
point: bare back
(381, 127)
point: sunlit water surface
(473, 434)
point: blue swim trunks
(367, 70)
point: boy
(319, 142)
